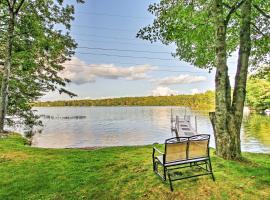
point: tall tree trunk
(228, 116)
(6, 72)
(241, 74)
(220, 118)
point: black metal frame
(170, 167)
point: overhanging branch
(19, 7)
(233, 9)
(8, 3)
(63, 90)
(261, 11)
(256, 28)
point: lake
(73, 127)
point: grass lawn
(119, 173)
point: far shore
(204, 101)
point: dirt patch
(13, 156)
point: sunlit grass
(119, 173)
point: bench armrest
(156, 149)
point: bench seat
(192, 150)
(160, 159)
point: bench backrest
(185, 148)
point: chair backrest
(184, 148)
(198, 146)
(175, 149)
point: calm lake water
(69, 127)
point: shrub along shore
(119, 173)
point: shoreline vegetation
(203, 101)
(119, 173)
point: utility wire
(124, 56)
(158, 70)
(162, 70)
(104, 28)
(116, 42)
(132, 63)
(124, 50)
(105, 37)
(112, 15)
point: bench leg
(171, 186)
(164, 173)
(206, 166)
(154, 165)
(210, 167)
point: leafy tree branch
(233, 9)
(261, 11)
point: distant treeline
(196, 101)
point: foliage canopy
(39, 43)
(190, 25)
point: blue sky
(113, 24)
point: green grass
(119, 173)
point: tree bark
(220, 119)
(6, 71)
(227, 119)
(242, 72)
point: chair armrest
(156, 149)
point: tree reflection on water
(257, 128)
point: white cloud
(195, 91)
(181, 79)
(75, 71)
(79, 72)
(163, 91)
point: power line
(124, 50)
(112, 15)
(177, 71)
(105, 37)
(170, 66)
(163, 70)
(114, 38)
(158, 70)
(124, 56)
(132, 63)
(116, 42)
(104, 28)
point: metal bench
(183, 152)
